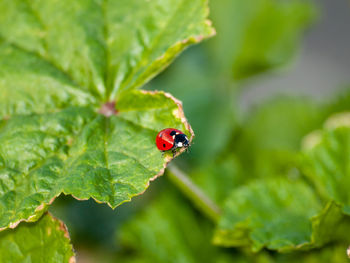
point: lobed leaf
(59, 62)
(327, 160)
(280, 214)
(80, 152)
(44, 241)
(332, 253)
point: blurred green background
(274, 72)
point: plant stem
(194, 193)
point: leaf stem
(194, 193)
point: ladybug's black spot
(173, 133)
(164, 145)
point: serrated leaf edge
(178, 113)
(64, 229)
(36, 216)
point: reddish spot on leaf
(108, 109)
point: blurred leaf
(338, 103)
(169, 230)
(270, 139)
(280, 214)
(269, 146)
(80, 152)
(58, 58)
(44, 241)
(333, 253)
(219, 177)
(327, 160)
(256, 36)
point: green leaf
(80, 152)
(256, 36)
(332, 253)
(327, 160)
(61, 61)
(105, 47)
(44, 241)
(29, 84)
(280, 214)
(335, 253)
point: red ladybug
(171, 139)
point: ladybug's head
(181, 140)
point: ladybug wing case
(164, 140)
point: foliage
(45, 241)
(169, 229)
(55, 151)
(256, 36)
(72, 121)
(326, 164)
(178, 235)
(280, 214)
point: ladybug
(171, 139)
